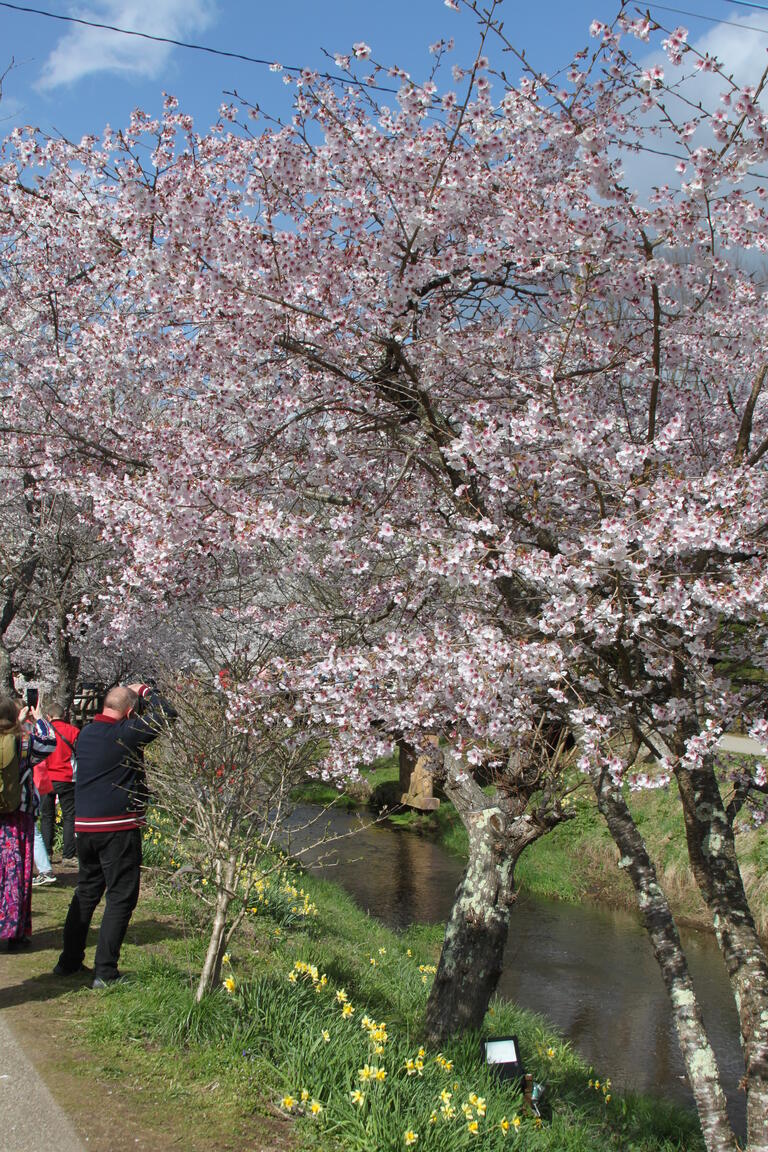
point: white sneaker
(43, 878)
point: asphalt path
(30, 1118)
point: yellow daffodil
(382, 951)
(357, 1097)
(433, 1118)
(288, 1102)
(326, 1035)
(504, 1125)
(448, 1111)
(408, 952)
(315, 1107)
(551, 1053)
(365, 1073)
(445, 1096)
(226, 959)
(373, 961)
(516, 1122)
(341, 996)
(607, 1098)
(380, 1074)
(229, 984)
(347, 1011)
(538, 1122)
(473, 1127)
(421, 1053)
(410, 1137)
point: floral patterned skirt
(17, 838)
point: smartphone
(33, 695)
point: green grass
(263, 1045)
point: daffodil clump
(360, 1077)
(161, 845)
(602, 1086)
(281, 899)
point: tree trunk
(6, 671)
(699, 1059)
(712, 852)
(67, 669)
(473, 948)
(472, 955)
(211, 973)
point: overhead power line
(743, 4)
(188, 44)
(711, 19)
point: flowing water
(588, 970)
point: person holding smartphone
(20, 750)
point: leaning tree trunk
(712, 853)
(225, 890)
(476, 933)
(699, 1059)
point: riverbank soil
(112, 1106)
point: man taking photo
(110, 811)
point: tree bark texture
(472, 955)
(698, 1056)
(712, 853)
(211, 971)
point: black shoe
(107, 982)
(19, 943)
(60, 970)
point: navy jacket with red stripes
(110, 785)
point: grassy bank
(578, 860)
(315, 1044)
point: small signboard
(502, 1055)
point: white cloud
(83, 51)
(742, 53)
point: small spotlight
(502, 1054)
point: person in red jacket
(59, 766)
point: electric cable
(744, 4)
(194, 47)
(711, 19)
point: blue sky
(74, 81)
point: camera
(33, 696)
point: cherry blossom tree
(488, 423)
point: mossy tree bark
(698, 1056)
(476, 934)
(712, 853)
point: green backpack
(10, 782)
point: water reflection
(589, 970)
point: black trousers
(109, 862)
(65, 790)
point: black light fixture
(502, 1055)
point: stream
(587, 969)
